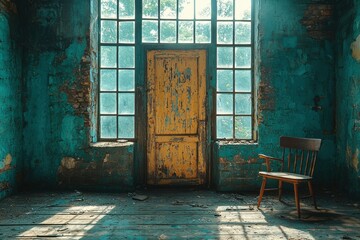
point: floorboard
(174, 214)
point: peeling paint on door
(176, 117)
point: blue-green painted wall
(348, 95)
(57, 109)
(295, 64)
(295, 57)
(299, 56)
(10, 99)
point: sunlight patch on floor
(85, 216)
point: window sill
(111, 144)
(241, 143)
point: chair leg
(261, 191)
(280, 189)
(311, 190)
(297, 200)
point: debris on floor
(140, 197)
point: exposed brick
(318, 21)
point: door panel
(176, 116)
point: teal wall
(296, 64)
(57, 109)
(348, 96)
(10, 99)
(47, 92)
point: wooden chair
(299, 159)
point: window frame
(139, 68)
(117, 68)
(234, 69)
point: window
(117, 69)
(122, 38)
(234, 70)
(176, 21)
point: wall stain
(9, 6)
(355, 49)
(7, 163)
(353, 158)
(318, 21)
(4, 186)
(77, 171)
(78, 91)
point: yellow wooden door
(176, 84)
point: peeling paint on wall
(107, 172)
(10, 97)
(9, 6)
(355, 49)
(4, 186)
(348, 98)
(353, 158)
(318, 20)
(68, 163)
(5, 164)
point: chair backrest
(300, 154)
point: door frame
(140, 164)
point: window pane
(150, 31)
(108, 32)
(168, 31)
(108, 8)
(224, 104)
(126, 57)
(127, 32)
(203, 32)
(186, 32)
(243, 104)
(186, 9)
(225, 9)
(126, 80)
(126, 9)
(108, 56)
(243, 33)
(224, 127)
(225, 33)
(224, 80)
(107, 127)
(243, 9)
(243, 81)
(243, 127)
(126, 103)
(225, 57)
(107, 80)
(126, 127)
(203, 9)
(107, 103)
(168, 9)
(243, 57)
(150, 8)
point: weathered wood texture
(166, 214)
(301, 155)
(176, 117)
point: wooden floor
(174, 214)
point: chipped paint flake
(355, 49)
(355, 160)
(6, 163)
(68, 162)
(8, 160)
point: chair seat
(285, 175)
